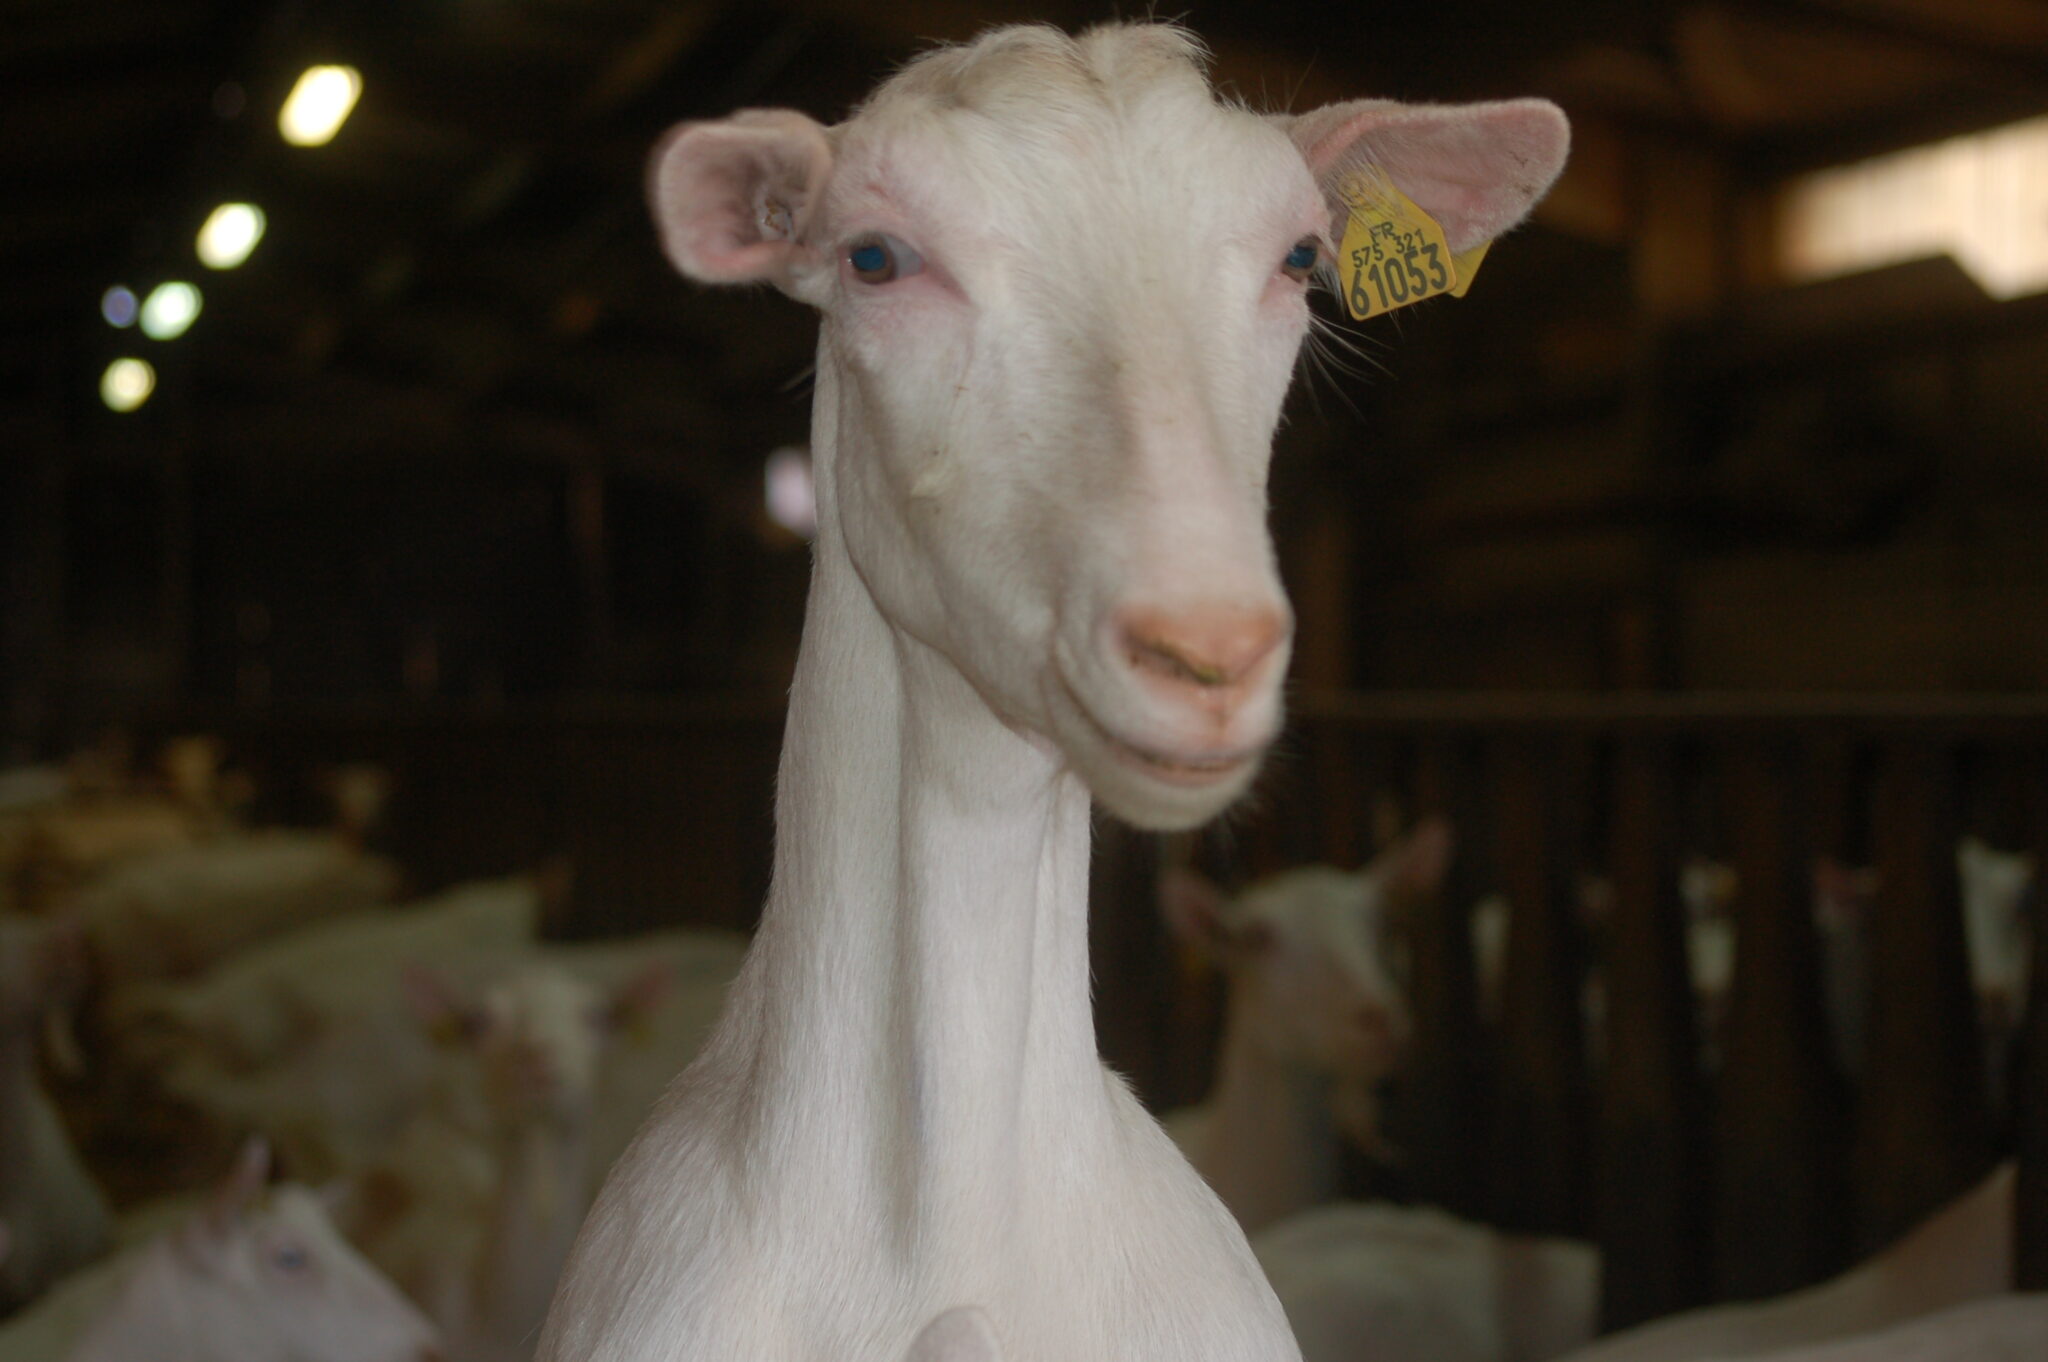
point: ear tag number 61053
(1394, 253)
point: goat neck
(920, 987)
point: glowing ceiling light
(231, 232)
(319, 104)
(168, 310)
(118, 305)
(127, 384)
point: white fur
(1041, 468)
(254, 1276)
(483, 1193)
(2007, 1328)
(180, 910)
(1315, 1018)
(1999, 893)
(961, 1334)
(55, 1216)
(306, 1038)
(1379, 1283)
(1962, 1253)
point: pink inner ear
(716, 186)
(243, 1185)
(1476, 168)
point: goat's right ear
(1476, 168)
(962, 1334)
(734, 199)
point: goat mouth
(1188, 770)
(1198, 769)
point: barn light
(118, 305)
(127, 384)
(231, 232)
(1982, 199)
(792, 503)
(319, 104)
(168, 310)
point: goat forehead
(1328, 913)
(1031, 69)
(1082, 168)
(546, 1000)
(298, 1210)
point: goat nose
(1206, 649)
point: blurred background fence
(1763, 1157)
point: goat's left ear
(1476, 168)
(734, 198)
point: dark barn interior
(1694, 535)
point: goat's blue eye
(879, 259)
(1301, 259)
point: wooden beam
(1923, 1129)
(2030, 1071)
(1651, 1144)
(1780, 1194)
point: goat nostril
(1151, 655)
(1209, 649)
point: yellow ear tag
(1394, 253)
(1465, 264)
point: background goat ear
(638, 997)
(962, 1334)
(1195, 908)
(734, 199)
(1415, 865)
(237, 1193)
(440, 1005)
(1476, 168)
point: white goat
(1999, 891)
(2007, 1328)
(1707, 891)
(474, 1212)
(1996, 890)
(1380, 1283)
(1315, 1018)
(306, 1038)
(178, 911)
(663, 1034)
(55, 1215)
(1063, 290)
(254, 1276)
(1962, 1253)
